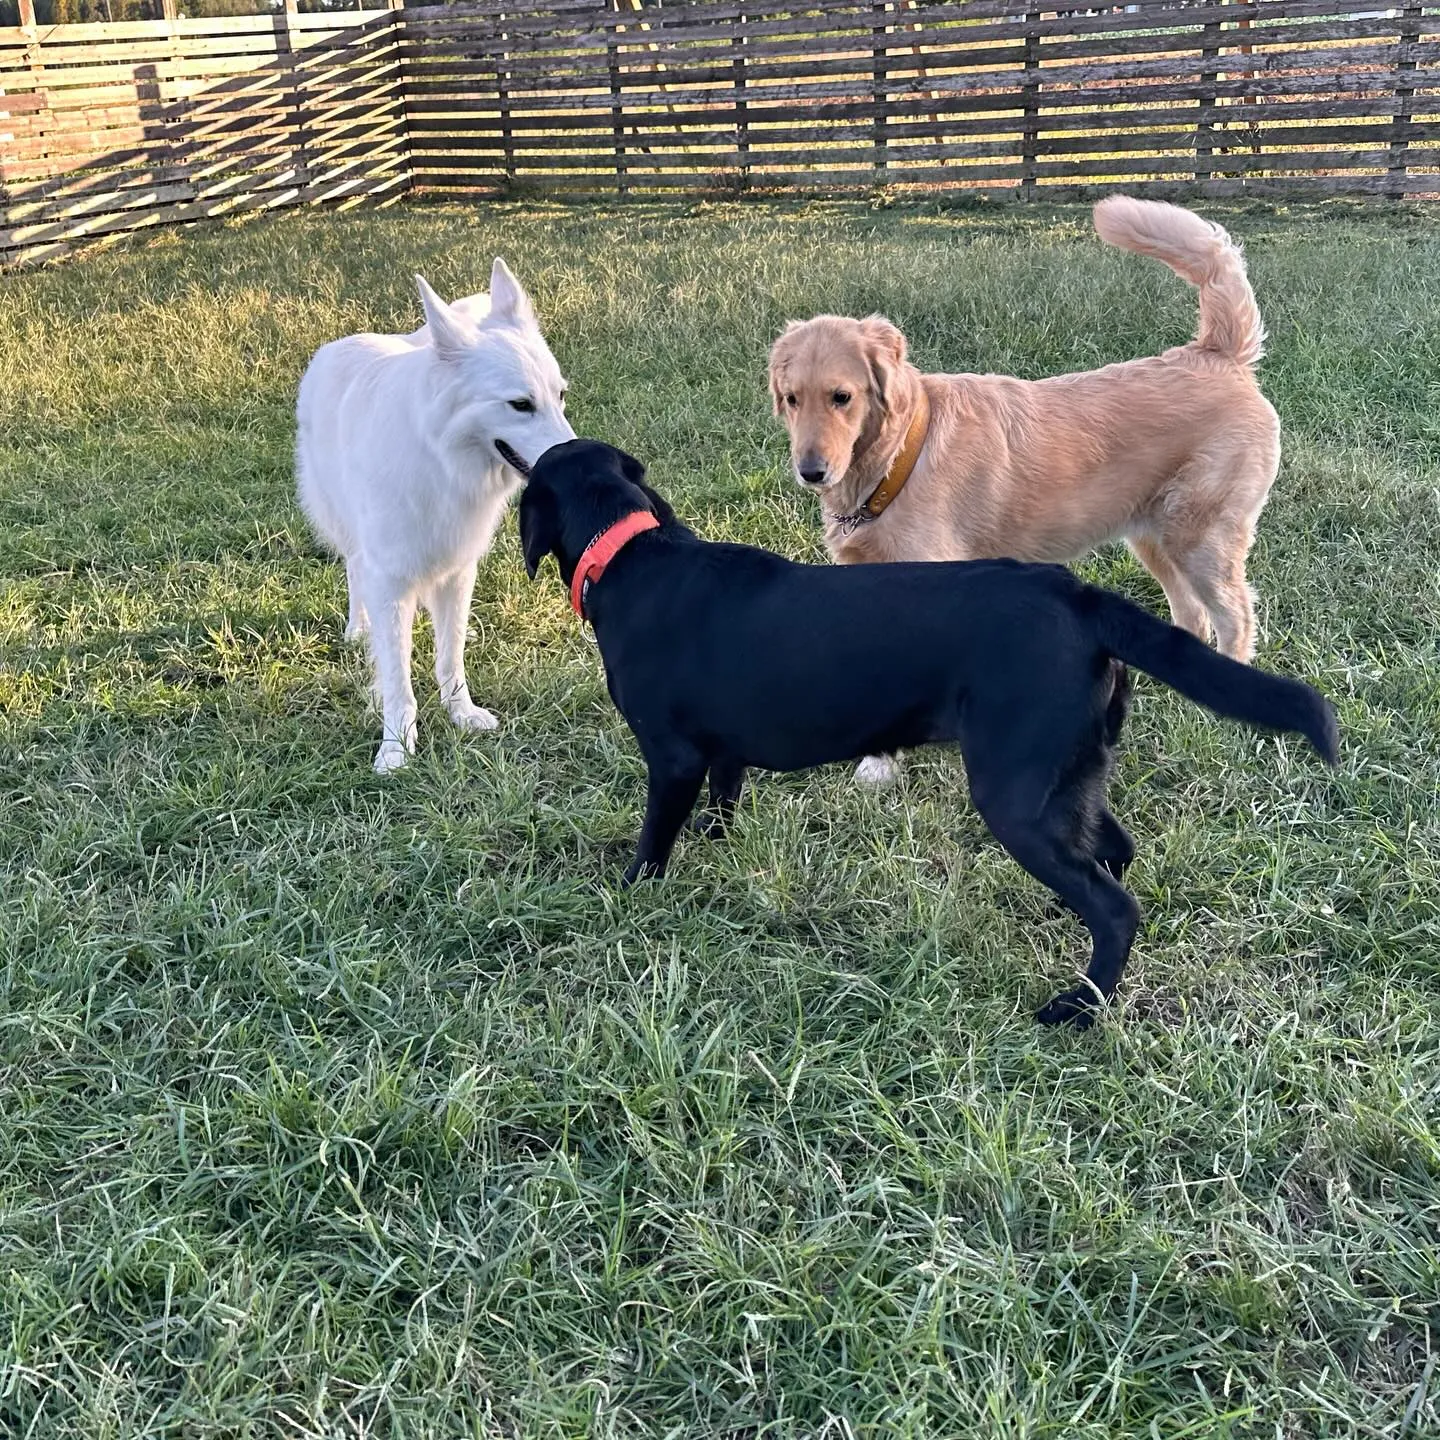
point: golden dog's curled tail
(1200, 252)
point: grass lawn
(339, 1106)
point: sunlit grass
(339, 1106)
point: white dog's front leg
(392, 625)
(449, 609)
(878, 770)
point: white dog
(400, 471)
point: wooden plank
(879, 80)
(1030, 103)
(742, 114)
(617, 112)
(269, 197)
(846, 56)
(1122, 112)
(1209, 71)
(38, 183)
(938, 140)
(985, 162)
(855, 22)
(857, 178)
(145, 190)
(1378, 68)
(1402, 135)
(1101, 108)
(173, 67)
(203, 25)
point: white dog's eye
(525, 407)
(791, 401)
(841, 397)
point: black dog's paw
(1074, 1007)
(640, 870)
(709, 825)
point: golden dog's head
(831, 379)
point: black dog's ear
(539, 527)
(634, 472)
(661, 506)
(632, 469)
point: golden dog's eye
(841, 397)
(791, 401)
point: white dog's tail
(1203, 254)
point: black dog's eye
(525, 407)
(841, 397)
(791, 401)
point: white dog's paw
(358, 628)
(471, 716)
(392, 755)
(877, 770)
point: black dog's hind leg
(726, 779)
(674, 786)
(1110, 844)
(1042, 838)
(1114, 849)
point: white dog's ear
(509, 304)
(885, 350)
(450, 332)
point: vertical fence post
(502, 101)
(617, 106)
(1404, 100)
(1248, 97)
(32, 58)
(398, 35)
(879, 157)
(291, 60)
(1030, 126)
(742, 114)
(1205, 125)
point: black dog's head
(572, 493)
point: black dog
(723, 656)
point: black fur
(723, 656)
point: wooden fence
(107, 128)
(104, 128)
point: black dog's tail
(1203, 675)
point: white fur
(877, 770)
(399, 474)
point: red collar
(602, 550)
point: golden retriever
(1174, 453)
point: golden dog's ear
(777, 399)
(777, 361)
(885, 350)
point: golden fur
(1174, 453)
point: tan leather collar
(899, 472)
